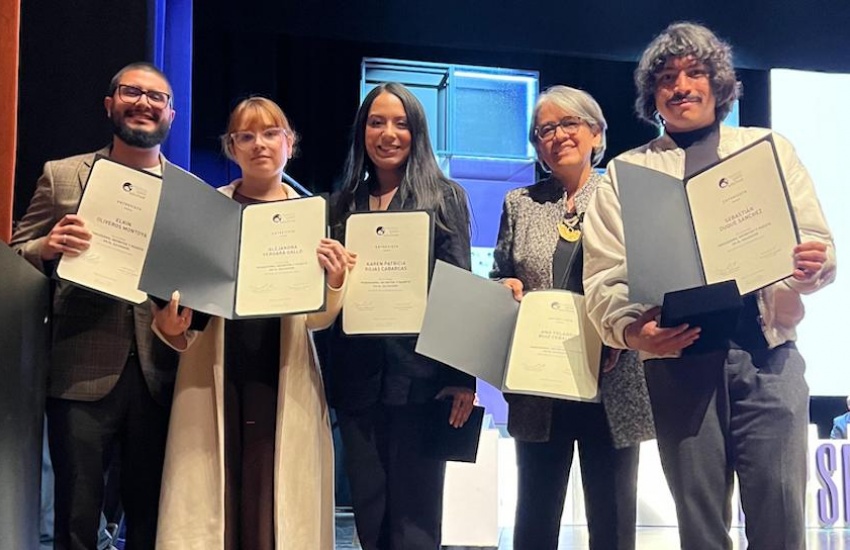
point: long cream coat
(191, 515)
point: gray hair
(579, 103)
(680, 40)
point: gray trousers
(734, 411)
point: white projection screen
(810, 109)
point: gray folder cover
(469, 323)
(661, 248)
(24, 361)
(194, 245)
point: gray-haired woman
(539, 247)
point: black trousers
(396, 492)
(82, 437)
(608, 475)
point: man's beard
(142, 139)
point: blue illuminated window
(478, 118)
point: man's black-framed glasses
(132, 94)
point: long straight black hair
(423, 181)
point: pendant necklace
(568, 228)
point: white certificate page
(555, 351)
(279, 271)
(119, 207)
(742, 219)
(388, 287)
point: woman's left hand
(335, 259)
(462, 401)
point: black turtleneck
(700, 147)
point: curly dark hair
(679, 40)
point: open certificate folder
(544, 345)
(235, 260)
(388, 288)
(119, 206)
(730, 221)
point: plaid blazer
(93, 334)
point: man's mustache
(141, 112)
(683, 98)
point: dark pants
(82, 435)
(609, 479)
(743, 412)
(396, 492)
(250, 422)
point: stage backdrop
(10, 18)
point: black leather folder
(445, 442)
(714, 308)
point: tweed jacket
(524, 250)
(93, 334)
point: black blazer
(361, 370)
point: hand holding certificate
(554, 351)
(731, 221)
(119, 205)
(543, 345)
(388, 288)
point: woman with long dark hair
(379, 386)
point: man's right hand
(69, 237)
(644, 334)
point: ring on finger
(64, 239)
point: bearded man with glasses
(110, 380)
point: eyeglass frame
(573, 121)
(145, 93)
(232, 136)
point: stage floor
(649, 538)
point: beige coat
(605, 271)
(191, 515)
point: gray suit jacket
(93, 334)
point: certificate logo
(137, 192)
(389, 231)
(278, 218)
(559, 306)
(730, 180)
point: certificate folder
(543, 345)
(714, 308)
(232, 260)
(119, 206)
(731, 221)
(387, 290)
(445, 442)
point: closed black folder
(445, 442)
(714, 308)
